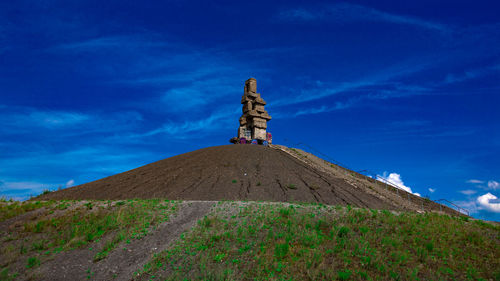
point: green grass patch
(79, 223)
(6, 276)
(32, 262)
(313, 242)
(9, 209)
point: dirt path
(126, 258)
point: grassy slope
(67, 225)
(262, 241)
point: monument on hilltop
(253, 121)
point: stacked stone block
(253, 122)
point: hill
(242, 212)
(153, 239)
(249, 172)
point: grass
(46, 191)
(32, 262)
(4, 199)
(10, 208)
(5, 276)
(67, 225)
(317, 242)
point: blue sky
(406, 90)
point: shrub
(32, 262)
(343, 231)
(46, 191)
(281, 250)
(344, 275)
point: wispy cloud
(410, 123)
(380, 85)
(347, 12)
(470, 74)
(468, 191)
(22, 190)
(348, 95)
(131, 41)
(432, 190)
(493, 185)
(213, 121)
(474, 181)
(180, 77)
(470, 205)
(359, 91)
(485, 185)
(20, 120)
(198, 93)
(58, 118)
(30, 117)
(70, 183)
(322, 109)
(52, 168)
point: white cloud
(58, 119)
(191, 77)
(489, 185)
(194, 95)
(432, 190)
(470, 206)
(382, 78)
(470, 74)
(474, 181)
(70, 183)
(468, 191)
(321, 109)
(65, 124)
(18, 118)
(346, 12)
(25, 185)
(395, 179)
(493, 185)
(110, 42)
(299, 14)
(489, 202)
(214, 121)
(23, 190)
(410, 123)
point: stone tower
(253, 122)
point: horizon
(405, 92)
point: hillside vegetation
(261, 241)
(201, 240)
(35, 232)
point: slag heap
(253, 122)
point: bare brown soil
(248, 172)
(230, 172)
